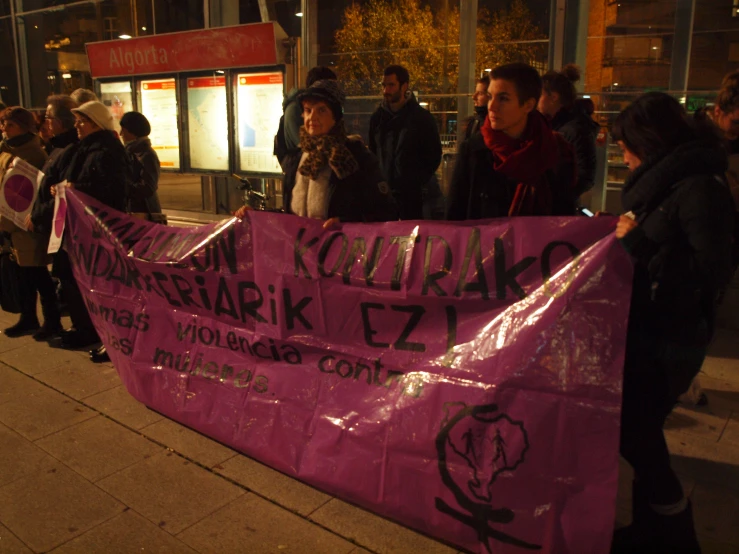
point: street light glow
(124, 36)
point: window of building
(111, 29)
(715, 44)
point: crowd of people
(528, 150)
(77, 142)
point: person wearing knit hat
(136, 124)
(330, 92)
(331, 176)
(142, 195)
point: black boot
(52, 326)
(79, 338)
(653, 533)
(99, 355)
(26, 324)
(48, 331)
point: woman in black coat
(332, 177)
(142, 192)
(98, 166)
(678, 229)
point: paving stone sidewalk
(85, 468)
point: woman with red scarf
(516, 165)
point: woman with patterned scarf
(332, 177)
(516, 165)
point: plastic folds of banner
(462, 379)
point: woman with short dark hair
(29, 248)
(516, 165)
(678, 230)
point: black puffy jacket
(682, 251)
(579, 129)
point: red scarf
(525, 161)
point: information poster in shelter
(208, 122)
(259, 108)
(159, 105)
(118, 96)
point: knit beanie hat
(98, 113)
(136, 124)
(330, 92)
(21, 117)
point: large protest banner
(462, 379)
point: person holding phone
(678, 230)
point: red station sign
(219, 48)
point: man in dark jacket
(405, 139)
(142, 192)
(480, 98)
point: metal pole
(153, 18)
(135, 5)
(682, 44)
(17, 52)
(467, 61)
(59, 8)
(556, 35)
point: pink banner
(462, 379)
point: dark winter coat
(142, 192)
(363, 196)
(43, 209)
(287, 138)
(682, 252)
(408, 147)
(97, 165)
(478, 191)
(579, 129)
(473, 123)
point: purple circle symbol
(61, 213)
(18, 193)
